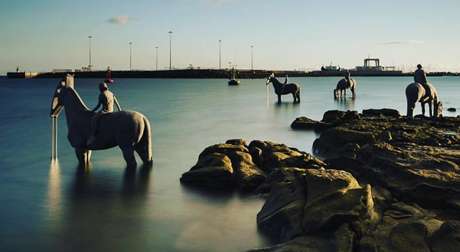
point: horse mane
(77, 96)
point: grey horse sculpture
(343, 85)
(283, 89)
(128, 130)
(415, 92)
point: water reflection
(345, 103)
(103, 214)
(54, 189)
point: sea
(54, 206)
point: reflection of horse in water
(93, 201)
(345, 103)
(343, 85)
(415, 92)
(283, 89)
(128, 130)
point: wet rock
(334, 198)
(452, 109)
(403, 228)
(447, 238)
(381, 112)
(417, 160)
(214, 171)
(237, 142)
(304, 123)
(332, 116)
(225, 166)
(340, 241)
(281, 216)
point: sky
(41, 35)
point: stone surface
(386, 184)
(305, 123)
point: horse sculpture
(282, 89)
(415, 92)
(129, 130)
(343, 85)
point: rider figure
(420, 77)
(106, 100)
(347, 77)
(286, 79)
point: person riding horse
(420, 77)
(106, 99)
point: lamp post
(170, 49)
(252, 57)
(89, 52)
(220, 54)
(156, 58)
(130, 56)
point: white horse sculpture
(415, 92)
(342, 85)
(129, 130)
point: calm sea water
(46, 207)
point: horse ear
(69, 81)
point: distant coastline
(212, 74)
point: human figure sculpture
(420, 77)
(106, 100)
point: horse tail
(144, 147)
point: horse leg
(423, 108)
(294, 97)
(128, 155)
(83, 157)
(430, 108)
(279, 99)
(298, 96)
(410, 110)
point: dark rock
(381, 112)
(225, 166)
(340, 241)
(447, 238)
(237, 142)
(214, 171)
(304, 123)
(332, 116)
(281, 216)
(452, 109)
(334, 198)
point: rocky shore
(382, 183)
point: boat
(233, 81)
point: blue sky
(286, 34)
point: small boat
(233, 81)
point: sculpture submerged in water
(344, 84)
(415, 92)
(129, 130)
(283, 89)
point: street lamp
(220, 54)
(130, 56)
(89, 52)
(252, 57)
(156, 58)
(170, 50)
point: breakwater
(213, 74)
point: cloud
(119, 20)
(404, 42)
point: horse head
(270, 78)
(56, 101)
